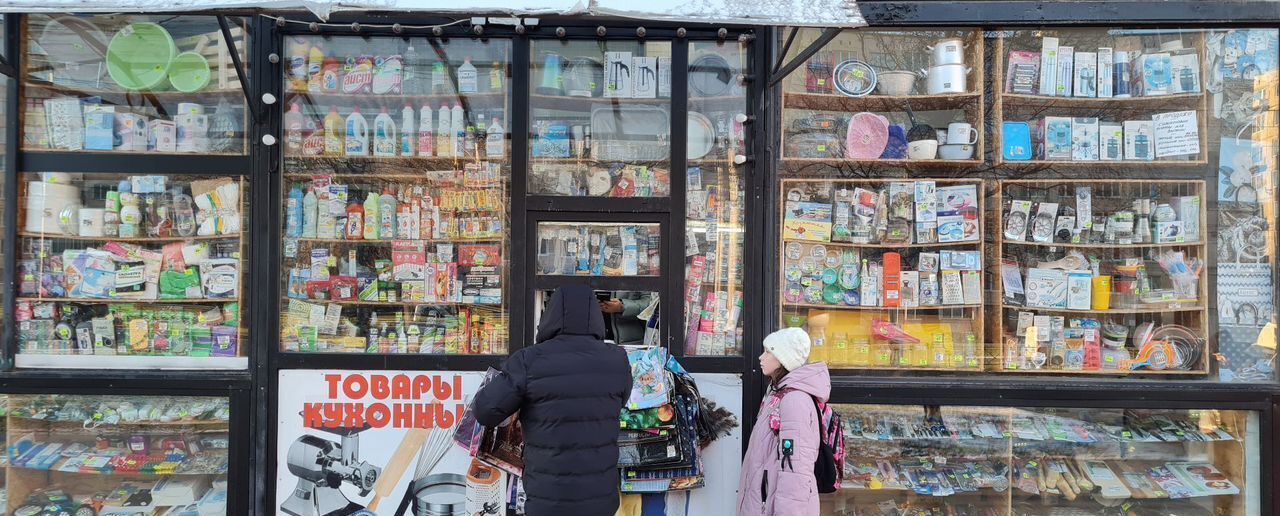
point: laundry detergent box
(1110, 141)
(1084, 139)
(1138, 140)
(1054, 134)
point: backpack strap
(775, 406)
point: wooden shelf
(1103, 246)
(1113, 372)
(371, 176)
(413, 160)
(130, 474)
(391, 242)
(143, 240)
(797, 164)
(880, 103)
(877, 308)
(169, 424)
(39, 150)
(397, 304)
(568, 103)
(1157, 103)
(1110, 311)
(346, 99)
(87, 301)
(886, 247)
(598, 162)
(99, 92)
(1101, 164)
(904, 369)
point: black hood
(573, 310)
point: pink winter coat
(767, 487)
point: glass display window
(715, 213)
(875, 98)
(1028, 461)
(600, 121)
(396, 196)
(631, 317)
(77, 454)
(132, 84)
(1124, 221)
(131, 271)
(598, 249)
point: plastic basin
(139, 56)
(189, 72)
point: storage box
(1079, 290)
(1188, 211)
(1185, 76)
(130, 132)
(1106, 61)
(1084, 139)
(1110, 141)
(1054, 133)
(1139, 144)
(162, 136)
(1086, 74)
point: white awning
(822, 13)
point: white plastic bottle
(357, 134)
(387, 214)
(310, 211)
(426, 134)
(467, 77)
(444, 133)
(408, 136)
(495, 140)
(385, 140)
(458, 128)
(293, 124)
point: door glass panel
(396, 190)
(630, 316)
(599, 249)
(714, 208)
(601, 118)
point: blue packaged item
(897, 147)
(1017, 141)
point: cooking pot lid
(710, 75)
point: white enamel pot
(948, 51)
(951, 78)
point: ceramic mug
(960, 132)
(922, 149)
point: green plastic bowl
(139, 56)
(189, 72)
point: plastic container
(139, 56)
(189, 72)
(44, 203)
(815, 145)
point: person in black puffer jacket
(569, 389)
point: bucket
(139, 56)
(189, 72)
(45, 202)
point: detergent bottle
(458, 127)
(357, 134)
(426, 136)
(384, 135)
(371, 212)
(444, 133)
(408, 136)
(333, 133)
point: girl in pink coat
(777, 473)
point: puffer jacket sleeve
(504, 394)
(796, 493)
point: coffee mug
(922, 149)
(960, 132)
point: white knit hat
(790, 346)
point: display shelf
(397, 304)
(163, 424)
(1104, 246)
(1154, 103)
(799, 164)
(851, 367)
(1103, 372)
(410, 160)
(339, 241)
(122, 474)
(879, 103)
(846, 245)
(43, 150)
(58, 236)
(79, 91)
(94, 301)
(1101, 164)
(416, 179)
(344, 99)
(39, 361)
(574, 103)
(1108, 311)
(879, 308)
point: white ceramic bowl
(922, 149)
(898, 83)
(955, 151)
